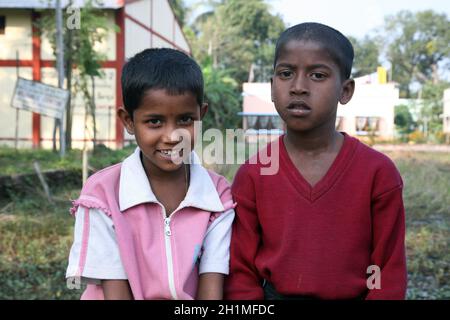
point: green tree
(417, 43)
(180, 10)
(239, 36)
(234, 40)
(223, 98)
(367, 54)
(404, 121)
(430, 116)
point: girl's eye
(186, 120)
(154, 122)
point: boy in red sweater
(330, 224)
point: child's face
(154, 123)
(307, 86)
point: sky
(352, 17)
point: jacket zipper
(167, 234)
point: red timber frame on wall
(36, 126)
(36, 63)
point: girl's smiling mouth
(169, 154)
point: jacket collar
(134, 187)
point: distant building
(371, 110)
(143, 23)
(446, 114)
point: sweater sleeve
(388, 246)
(244, 283)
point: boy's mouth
(298, 108)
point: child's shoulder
(374, 158)
(265, 157)
(379, 165)
(108, 175)
(219, 181)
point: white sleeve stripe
(84, 242)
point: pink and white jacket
(160, 254)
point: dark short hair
(160, 68)
(338, 46)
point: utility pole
(60, 67)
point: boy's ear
(127, 119)
(203, 110)
(348, 88)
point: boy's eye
(284, 74)
(318, 76)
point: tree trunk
(93, 107)
(435, 75)
(69, 71)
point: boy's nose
(299, 86)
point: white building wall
(8, 114)
(141, 11)
(18, 35)
(446, 114)
(136, 39)
(371, 100)
(163, 19)
(106, 47)
(105, 89)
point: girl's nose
(173, 135)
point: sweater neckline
(337, 168)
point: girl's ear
(348, 88)
(203, 110)
(127, 119)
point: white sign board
(40, 98)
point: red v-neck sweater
(319, 241)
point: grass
(13, 162)
(36, 236)
(427, 204)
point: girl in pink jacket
(157, 225)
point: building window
(367, 125)
(276, 122)
(2, 24)
(261, 122)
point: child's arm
(94, 255)
(210, 286)
(214, 261)
(116, 290)
(388, 249)
(244, 283)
